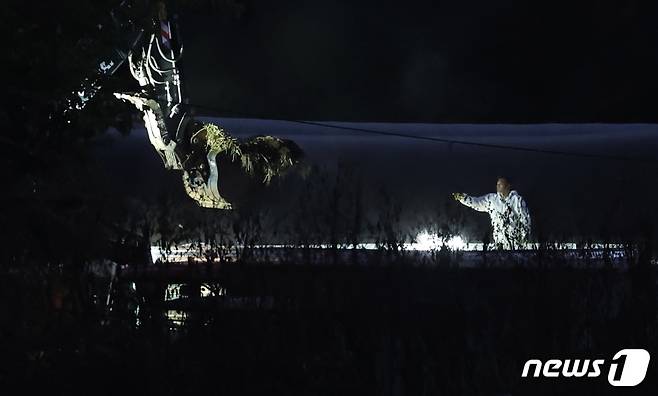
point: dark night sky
(426, 61)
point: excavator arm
(153, 54)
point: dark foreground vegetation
(333, 330)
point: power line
(436, 139)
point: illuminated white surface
(425, 242)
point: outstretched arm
(481, 204)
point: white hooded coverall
(510, 218)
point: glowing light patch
(176, 317)
(456, 243)
(104, 67)
(173, 292)
(156, 254)
(426, 241)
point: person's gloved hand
(458, 196)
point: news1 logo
(627, 368)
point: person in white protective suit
(509, 214)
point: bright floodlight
(427, 241)
(456, 243)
